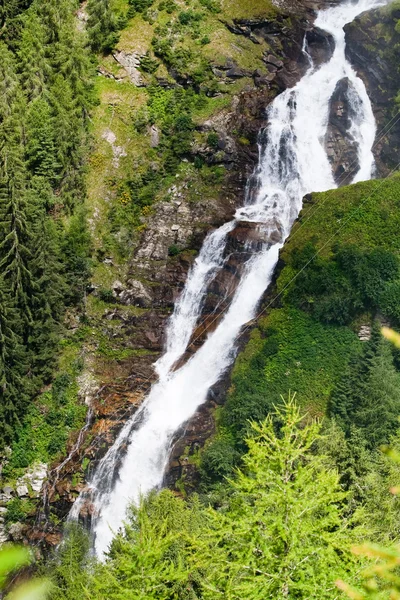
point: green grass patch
(240, 9)
(289, 351)
(366, 214)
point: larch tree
(284, 534)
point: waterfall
(293, 162)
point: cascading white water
(293, 162)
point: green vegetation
(178, 46)
(103, 25)
(341, 272)
(13, 558)
(285, 492)
(281, 532)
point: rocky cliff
(373, 49)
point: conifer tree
(368, 396)
(33, 65)
(15, 235)
(40, 147)
(14, 386)
(9, 84)
(102, 25)
(284, 527)
(46, 303)
(376, 411)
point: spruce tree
(9, 84)
(102, 25)
(15, 234)
(46, 302)
(368, 395)
(40, 148)
(33, 64)
(377, 408)
(14, 385)
(284, 527)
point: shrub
(17, 510)
(189, 16)
(213, 140)
(218, 460)
(60, 387)
(148, 64)
(174, 250)
(198, 162)
(139, 6)
(168, 5)
(106, 295)
(211, 5)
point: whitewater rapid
(293, 162)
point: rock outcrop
(341, 146)
(372, 48)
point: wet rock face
(340, 145)
(320, 45)
(371, 47)
(250, 237)
(246, 239)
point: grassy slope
(289, 350)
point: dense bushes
(172, 111)
(352, 281)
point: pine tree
(40, 149)
(376, 410)
(33, 65)
(368, 395)
(14, 386)
(341, 401)
(15, 235)
(102, 25)
(9, 84)
(46, 303)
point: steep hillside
(338, 277)
(180, 96)
(306, 350)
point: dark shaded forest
(46, 96)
